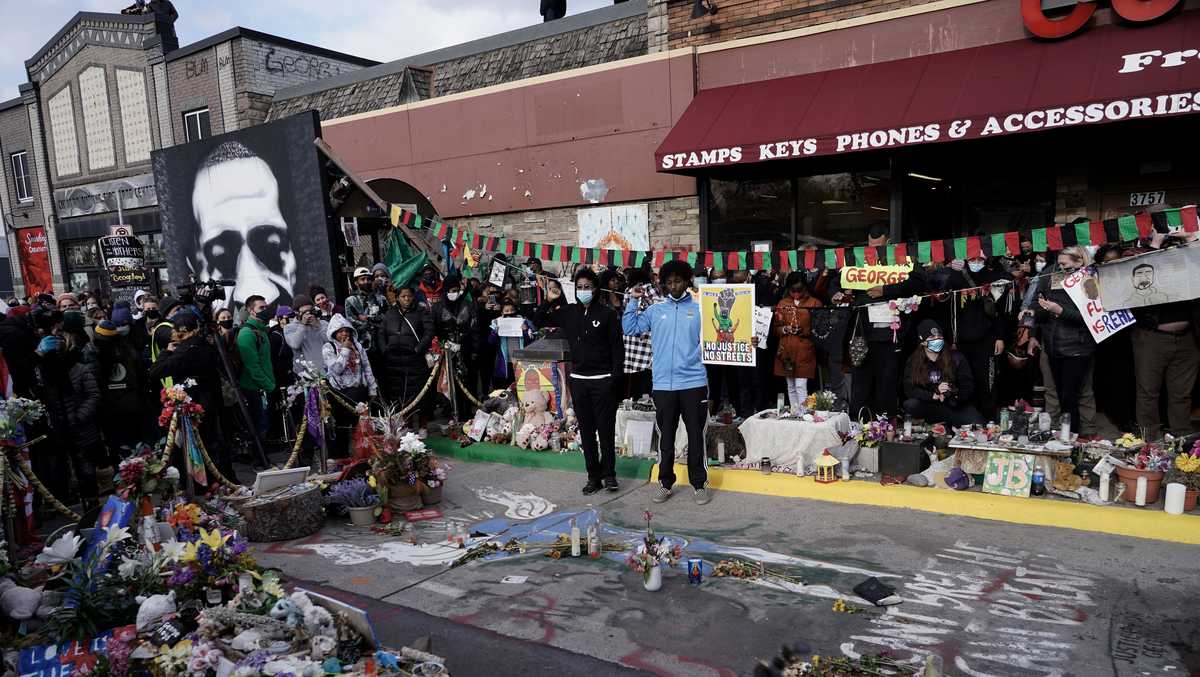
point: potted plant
(357, 497)
(651, 555)
(1150, 462)
(432, 476)
(1185, 470)
(395, 471)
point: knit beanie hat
(121, 314)
(106, 329)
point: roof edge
(241, 32)
(81, 16)
(519, 36)
(11, 103)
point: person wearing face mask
(306, 336)
(430, 288)
(1064, 336)
(796, 359)
(938, 385)
(121, 380)
(190, 358)
(364, 308)
(593, 331)
(144, 321)
(454, 317)
(502, 376)
(407, 333)
(324, 304)
(258, 376)
(349, 373)
(680, 387)
(978, 330)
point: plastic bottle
(1038, 488)
(575, 545)
(1005, 422)
(593, 535)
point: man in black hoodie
(593, 331)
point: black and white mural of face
(248, 207)
(242, 234)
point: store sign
(1074, 21)
(101, 198)
(33, 253)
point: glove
(49, 344)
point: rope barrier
(291, 462)
(467, 391)
(41, 488)
(208, 462)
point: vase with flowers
(1151, 462)
(357, 496)
(1185, 470)
(651, 555)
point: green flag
(960, 248)
(402, 263)
(1127, 225)
(1174, 219)
(1039, 240)
(1083, 233)
(924, 251)
(998, 244)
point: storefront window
(82, 254)
(153, 245)
(742, 212)
(839, 208)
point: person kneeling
(938, 385)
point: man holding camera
(307, 336)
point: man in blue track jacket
(680, 382)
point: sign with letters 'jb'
(1008, 474)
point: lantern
(825, 465)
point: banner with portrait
(1151, 279)
(727, 324)
(33, 253)
(248, 206)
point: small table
(792, 442)
(972, 455)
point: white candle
(721, 452)
(1140, 499)
(1105, 481)
(1174, 501)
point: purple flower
(181, 577)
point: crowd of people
(986, 333)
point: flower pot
(362, 516)
(1189, 499)
(1153, 483)
(431, 495)
(404, 497)
(653, 579)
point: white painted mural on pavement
(516, 506)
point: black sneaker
(610, 484)
(591, 487)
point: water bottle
(1005, 423)
(1039, 482)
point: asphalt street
(987, 598)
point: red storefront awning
(1109, 73)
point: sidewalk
(1150, 522)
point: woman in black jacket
(407, 333)
(1063, 334)
(72, 398)
(938, 385)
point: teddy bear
(534, 405)
(1065, 478)
(316, 620)
(286, 610)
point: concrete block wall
(674, 222)
(263, 67)
(192, 83)
(110, 58)
(737, 19)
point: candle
(1105, 480)
(721, 452)
(1173, 504)
(1140, 499)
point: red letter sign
(1137, 11)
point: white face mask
(975, 266)
(453, 296)
(1039, 266)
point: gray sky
(383, 31)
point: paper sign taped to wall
(867, 277)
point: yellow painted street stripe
(1149, 523)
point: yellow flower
(371, 481)
(816, 660)
(213, 539)
(189, 553)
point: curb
(486, 452)
(1147, 523)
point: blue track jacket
(674, 328)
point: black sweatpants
(939, 412)
(876, 380)
(692, 405)
(979, 355)
(1069, 374)
(595, 403)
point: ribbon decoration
(192, 449)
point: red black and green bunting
(1050, 238)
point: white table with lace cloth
(792, 443)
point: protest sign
(1084, 290)
(867, 277)
(762, 325)
(1152, 279)
(727, 324)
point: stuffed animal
(540, 440)
(287, 611)
(498, 402)
(18, 603)
(1065, 478)
(536, 405)
(317, 621)
(154, 607)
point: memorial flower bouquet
(144, 473)
(355, 493)
(653, 552)
(1151, 457)
(14, 412)
(1185, 469)
(823, 400)
(175, 399)
(213, 559)
(874, 432)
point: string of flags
(1050, 238)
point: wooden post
(412, 235)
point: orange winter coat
(797, 356)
